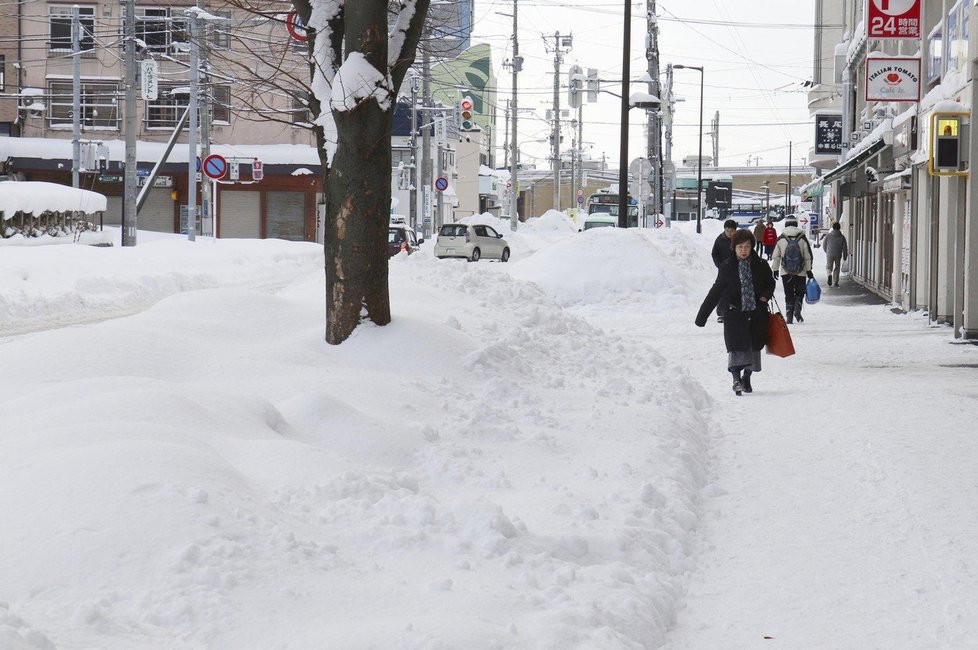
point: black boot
(798, 312)
(745, 382)
(738, 387)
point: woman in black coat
(742, 289)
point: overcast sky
(755, 64)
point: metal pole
(75, 96)
(413, 208)
(654, 119)
(514, 138)
(626, 70)
(129, 186)
(699, 166)
(426, 146)
(205, 122)
(556, 132)
(439, 200)
(192, 134)
(787, 187)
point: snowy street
(540, 454)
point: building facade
(911, 226)
(252, 99)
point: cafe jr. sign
(892, 79)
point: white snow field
(539, 454)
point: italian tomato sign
(893, 18)
(893, 79)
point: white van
(600, 220)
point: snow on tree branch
(325, 67)
(357, 80)
(395, 44)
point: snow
(357, 81)
(539, 454)
(36, 197)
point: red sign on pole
(893, 19)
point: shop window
(935, 53)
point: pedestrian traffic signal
(946, 133)
(465, 122)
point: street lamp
(767, 200)
(699, 163)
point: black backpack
(792, 260)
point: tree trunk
(358, 190)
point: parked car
(401, 238)
(473, 242)
(599, 220)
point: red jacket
(770, 236)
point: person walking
(792, 259)
(723, 250)
(769, 238)
(759, 235)
(836, 251)
(742, 289)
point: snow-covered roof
(36, 197)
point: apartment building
(253, 97)
(9, 44)
(893, 95)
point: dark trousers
(794, 295)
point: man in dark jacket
(836, 251)
(723, 251)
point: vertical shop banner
(828, 133)
(892, 79)
(893, 18)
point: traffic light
(947, 131)
(465, 122)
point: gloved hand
(700, 323)
(775, 276)
(811, 276)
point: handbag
(813, 292)
(778, 337)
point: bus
(746, 213)
(606, 202)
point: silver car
(471, 242)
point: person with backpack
(836, 251)
(723, 250)
(742, 289)
(793, 260)
(769, 238)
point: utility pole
(192, 134)
(668, 106)
(75, 95)
(129, 185)
(206, 115)
(787, 187)
(514, 141)
(426, 145)
(413, 208)
(654, 120)
(626, 71)
(715, 136)
(556, 129)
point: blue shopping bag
(813, 292)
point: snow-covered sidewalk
(541, 454)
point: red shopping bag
(778, 337)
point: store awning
(813, 189)
(855, 161)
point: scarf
(746, 286)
